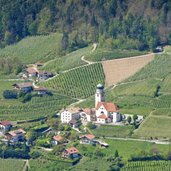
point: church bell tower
(100, 94)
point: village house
(69, 115)
(87, 115)
(24, 87)
(87, 139)
(71, 153)
(41, 90)
(31, 72)
(57, 139)
(15, 136)
(5, 126)
(44, 75)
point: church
(106, 112)
(102, 113)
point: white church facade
(104, 112)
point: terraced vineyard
(11, 165)
(78, 83)
(148, 166)
(38, 107)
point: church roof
(110, 107)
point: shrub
(10, 94)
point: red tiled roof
(88, 111)
(103, 116)
(5, 123)
(14, 133)
(110, 107)
(31, 70)
(72, 150)
(88, 136)
(58, 138)
(23, 85)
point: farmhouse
(5, 126)
(70, 115)
(57, 139)
(24, 87)
(41, 90)
(44, 75)
(87, 139)
(71, 153)
(31, 72)
(15, 136)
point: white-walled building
(100, 94)
(70, 114)
(107, 112)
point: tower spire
(100, 94)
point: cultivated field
(101, 54)
(77, 83)
(11, 165)
(148, 166)
(68, 61)
(158, 127)
(120, 69)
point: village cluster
(103, 113)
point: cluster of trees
(117, 23)
(13, 94)
(10, 65)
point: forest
(123, 24)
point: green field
(68, 61)
(77, 83)
(113, 131)
(36, 108)
(34, 49)
(11, 165)
(42, 164)
(148, 166)
(101, 54)
(156, 127)
(126, 149)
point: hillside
(119, 24)
(146, 93)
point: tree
(116, 154)
(135, 117)
(65, 41)
(129, 119)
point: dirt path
(141, 140)
(26, 166)
(88, 62)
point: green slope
(77, 83)
(34, 49)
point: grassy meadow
(101, 54)
(34, 49)
(11, 165)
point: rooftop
(5, 123)
(58, 138)
(72, 150)
(110, 107)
